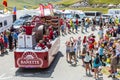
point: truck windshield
(89, 14)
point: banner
(51, 8)
(14, 10)
(41, 10)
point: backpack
(97, 61)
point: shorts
(2, 46)
(78, 48)
(5, 45)
(83, 57)
(96, 66)
(101, 24)
(67, 50)
(72, 53)
(62, 28)
(86, 62)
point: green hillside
(68, 2)
(28, 3)
(35, 3)
(104, 1)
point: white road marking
(5, 78)
(2, 75)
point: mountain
(104, 1)
(70, 2)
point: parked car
(25, 17)
(19, 22)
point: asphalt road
(59, 69)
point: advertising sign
(29, 59)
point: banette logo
(29, 59)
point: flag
(51, 8)
(41, 10)
(5, 3)
(14, 10)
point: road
(59, 69)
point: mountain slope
(104, 1)
(28, 3)
(68, 2)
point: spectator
(76, 25)
(78, 46)
(100, 52)
(113, 64)
(72, 50)
(5, 43)
(15, 38)
(118, 31)
(96, 64)
(10, 39)
(41, 44)
(1, 44)
(67, 50)
(87, 60)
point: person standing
(10, 39)
(78, 46)
(94, 24)
(113, 64)
(72, 50)
(62, 25)
(118, 31)
(85, 41)
(1, 43)
(76, 24)
(5, 43)
(100, 33)
(86, 25)
(67, 50)
(82, 25)
(15, 38)
(72, 25)
(96, 64)
(101, 22)
(100, 52)
(65, 25)
(68, 26)
(87, 60)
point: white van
(114, 12)
(92, 14)
(73, 14)
(6, 21)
